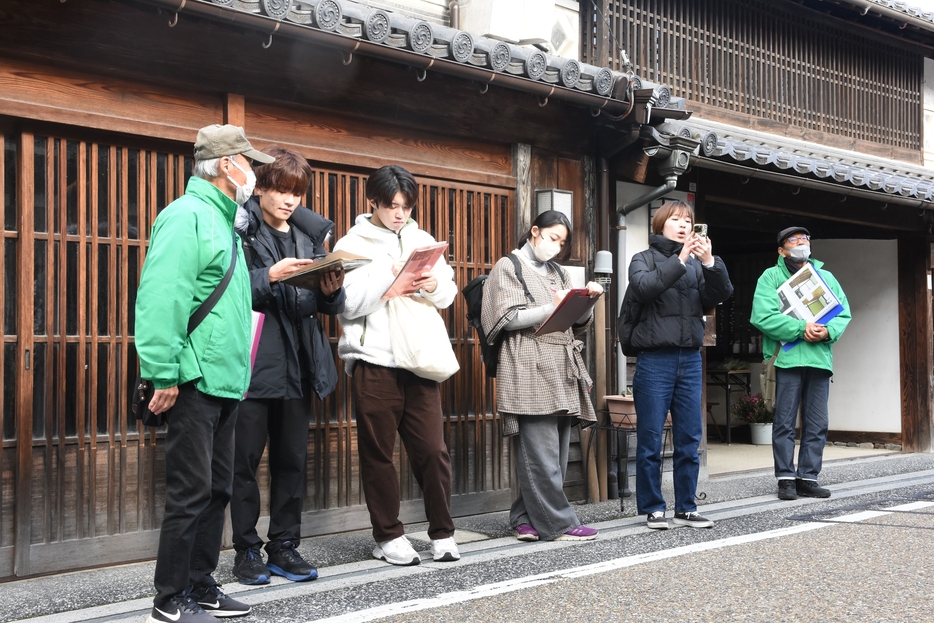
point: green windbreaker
(776, 327)
(189, 252)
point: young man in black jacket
(293, 361)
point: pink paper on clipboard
(256, 330)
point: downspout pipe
(671, 182)
(454, 9)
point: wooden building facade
(99, 106)
(809, 113)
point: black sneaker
(287, 562)
(787, 489)
(693, 519)
(213, 600)
(656, 521)
(180, 609)
(810, 489)
(249, 568)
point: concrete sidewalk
(128, 588)
(743, 457)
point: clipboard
(575, 304)
(310, 278)
(420, 261)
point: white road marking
(910, 507)
(861, 516)
(517, 584)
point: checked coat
(537, 375)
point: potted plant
(753, 410)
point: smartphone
(700, 230)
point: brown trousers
(388, 400)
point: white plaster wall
(864, 395)
(927, 131)
(555, 23)
(435, 11)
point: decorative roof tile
(726, 142)
(357, 20)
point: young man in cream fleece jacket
(386, 398)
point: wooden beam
(827, 213)
(915, 342)
(235, 110)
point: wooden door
(477, 221)
(76, 217)
(78, 474)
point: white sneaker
(397, 552)
(444, 550)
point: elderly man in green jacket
(199, 377)
(802, 372)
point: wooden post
(235, 110)
(601, 390)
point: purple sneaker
(580, 533)
(525, 532)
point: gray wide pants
(541, 455)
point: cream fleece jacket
(365, 321)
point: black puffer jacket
(293, 343)
(674, 296)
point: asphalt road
(863, 555)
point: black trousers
(199, 449)
(285, 423)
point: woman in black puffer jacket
(674, 280)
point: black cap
(788, 231)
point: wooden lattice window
(770, 60)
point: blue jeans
(809, 388)
(668, 379)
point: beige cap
(215, 141)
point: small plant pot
(622, 410)
(761, 434)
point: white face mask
(546, 249)
(799, 253)
(246, 191)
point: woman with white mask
(542, 384)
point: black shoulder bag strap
(518, 264)
(205, 308)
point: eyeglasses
(797, 239)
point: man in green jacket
(199, 377)
(802, 372)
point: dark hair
(385, 182)
(664, 213)
(550, 218)
(290, 173)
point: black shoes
(213, 601)
(692, 519)
(787, 490)
(249, 568)
(810, 489)
(180, 609)
(656, 521)
(287, 562)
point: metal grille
(768, 60)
